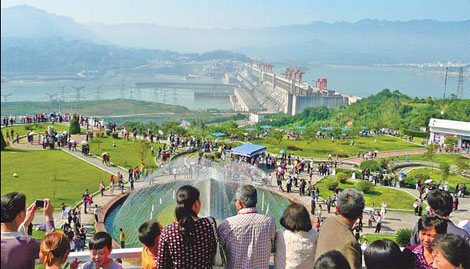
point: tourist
(428, 228)
(249, 236)
(190, 241)
(149, 235)
(383, 209)
(336, 233)
(440, 204)
(17, 249)
(415, 206)
(54, 251)
(96, 212)
(82, 237)
(328, 204)
(102, 188)
(332, 259)
(122, 238)
(465, 224)
(295, 246)
(364, 245)
(450, 251)
(312, 206)
(379, 223)
(384, 254)
(100, 247)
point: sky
(248, 13)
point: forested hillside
(386, 109)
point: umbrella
(428, 181)
(365, 128)
(345, 129)
(65, 132)
(265, 127)
(326, 128)
(283, 152)
(104, 153)
(72, 141)
(58, 136)
(31, 133)
(250, 129)
(84, 142)
(299, 127)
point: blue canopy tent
(365, 128)
(265, 127)
(218, 134)
(326, 129)
(251, 129)
(299, 127)
(248, 150)
(344, 129)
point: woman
(190, 241)
(429, 227)
(295, 246)
(450, 251)
(55, 248)
(332, 259)
(384, 254)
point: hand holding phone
(39, 203)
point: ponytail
(186, 196)
(54, 246)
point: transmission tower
(139, 94)
(98, 92)
(155, 95)
(78, 96)
(51, 100)
(445, 82)
(61, 97)
(460, 84)
(5, 97)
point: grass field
(49, 174)
(320, 148)
(395, 199)
(125, 153)
(374, 237)
(448, 158)
(436, 175)
(36, 128)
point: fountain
(217, 183)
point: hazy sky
(249, 13)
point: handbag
(220, 258)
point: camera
(39, 203)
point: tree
(3, 144)
(429, 154)
(276, 137)
(342, 177)
(142, 150)
(445, 170)
(462, 164)
(74, 125)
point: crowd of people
(245, 240)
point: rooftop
(449, 124)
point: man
(440, 204)
(336, 232)
(248, 237)
(17, 249)
(122, 238)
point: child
(100, 248)
(149, 235)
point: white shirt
(465, 224)
(295, 249)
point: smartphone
(39, 203)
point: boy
(149, 235)
(100, 248)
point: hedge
(415, 133)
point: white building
(255, 118)
(440, 129)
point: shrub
(108, 132)
(218, 154)
(29, 127)
(403, 237)
(74, 125)
(415, 133)
(364, 186)
(294, 148)
(331, 183)
(100, 134)
(3, 143)
(342, 177)
(115, 135)
(372, 165)
(445, 167)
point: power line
(98, 92)
(78, 96)
(5, 97)
(445, 82)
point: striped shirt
(248, 239)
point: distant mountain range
(363, 42)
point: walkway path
(388, 154)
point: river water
(352, 80)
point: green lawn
(125, 153)
(37, 128)
(395, 199)
(448, 158)
(374, 237)
(436, 175)
(49, 174)
(320, 148)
